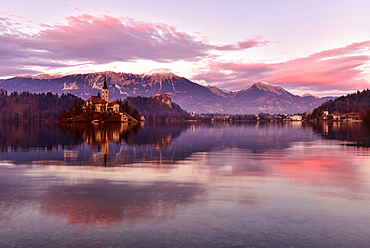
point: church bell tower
(105, 91)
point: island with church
(98, 109)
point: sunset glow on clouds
(231, 55)
(105, 39)
(338, 69)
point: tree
(33, 106)
(366, 116)
(135, 114)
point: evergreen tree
(32, 107)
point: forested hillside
(153, 108)
(352, 103)
(33, 107)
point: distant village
(326, 116)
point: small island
(98, 109)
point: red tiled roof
(94, 99)
(112, 103)
(102, 101)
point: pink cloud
(339, 69)
(357, 47)
(105, 39)
(233, 75)
(252, 43)
(331, 72)
(246, 44)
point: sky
(321, 47)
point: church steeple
(105, 91)
(105, 87)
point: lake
(287, 184)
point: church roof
(94, 99)
(102, 101)
(112, 103)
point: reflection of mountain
(356, 133)
(98, 201)
(157, 134)
(105, 203)
(157, 144)
(171, 143)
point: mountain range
(198, 97)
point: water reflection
(25, 137)
(163, 145)
(356, 133)
(105, 203)
(184, 185)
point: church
(102, 104)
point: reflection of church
(122, 144)
(102, 135)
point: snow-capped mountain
(271, 88)
(214, 89)
(200, 97)
(202, 82)
(309, 95)
(260, 89)
(162, 71)
(158, 75)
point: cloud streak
(246, 44)
(339, 69)
(104, 39)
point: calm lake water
(185, 185)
